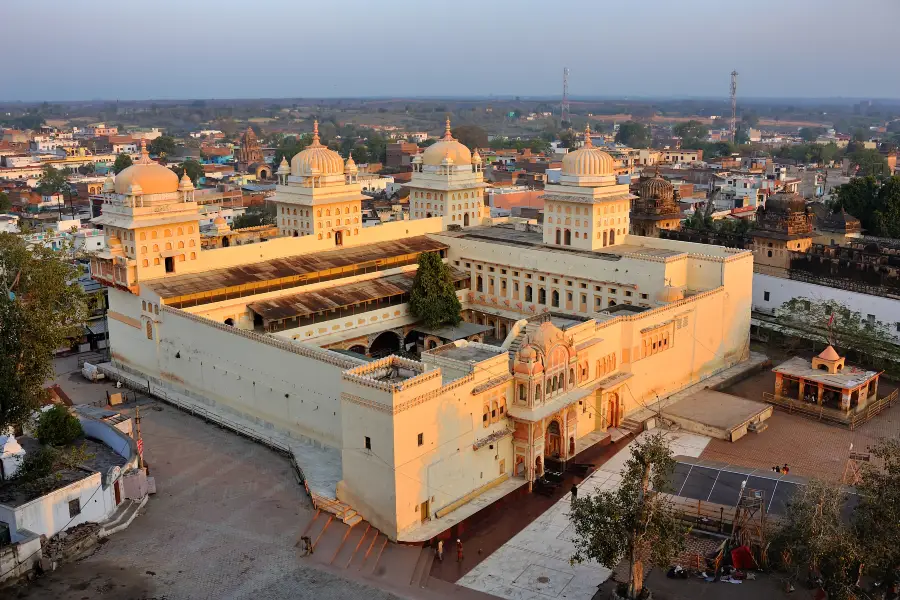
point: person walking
(459, 551)
(785, 470)
(440, 550)
(574, 493)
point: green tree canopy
(433, 298)
(162, 146)
(56, 426)
(634, 134)
(869, 162)
(42, 307)
(289, 147)
(5, 202)
(879, 493)
(814, 538)
(633, 521)
(875, 203)
(811, 134)
(88, 169)
(123, 161)
(360, 155)
(691, 130)
(254, 217)
(55, 181)
(194, 170)
(471, 136)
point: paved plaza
(534, 565)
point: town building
(312, 336)
(400, 154)
(249, 156)
(655, 208)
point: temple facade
(249, 156)
(784, 225)
(655, 208)
(310, 333)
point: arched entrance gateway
(612, 410)
(553, 441)
(385, 344)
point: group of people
(439, 550)
(783, 470)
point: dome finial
(447, 134)
(315, 132)
(588, 143)
(145, 156)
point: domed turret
(283, 168)
(588, 161)
(656, 188)
(447, 147)
(350, 167)
(786, 203)
(317, 159)
(109, 185)
(148, 177)
(185, 185)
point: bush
(58, 427)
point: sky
(173, 49)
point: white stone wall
(770, 292)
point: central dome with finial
(149, 177)
(317, 159)
(445, 148)
(588, 161)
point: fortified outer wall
(294, 389)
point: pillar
(819, 396)
(845, 400)
(873, 387)
(802, 386)
(779, 384)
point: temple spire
(447, 134)
(588, 143)
(145, 156)
(315, 141)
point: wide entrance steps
(362, 552)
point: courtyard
(222, 524)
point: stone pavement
(534, 565)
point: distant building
(401, 154)
(655, 208)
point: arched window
(319, 213)
(193, 255)
(156, 247)
(167, 233)
(479, 284)
(181, 231)
(522, 392)
(190, 229)
(527, 293)
(168, 245)
(181, 244)
(555, 298)
(485, 416)
(542, 296)
(143, 236)
(153, 235)
(145, 263)
(571, 377)
(537, 393)
(327, 212)
(143, 305)
(191, 243)
(143, 249)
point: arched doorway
(604, 239)
(229, 321)
(553, 442)
(568, 237)
(538, 467)
(338, 238)
(558, 237)
(466, 220)
(386, 343)
(612, 410)
(502, 332)
(612, 237)
(225, 241)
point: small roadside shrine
(827, 382)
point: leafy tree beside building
(875, 203)
(634, 134)
(42, 307)
(433, 298)
(634, 521)
(194, 170)
(123, 161)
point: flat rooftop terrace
(194, 289)
(468, 353)
(509, 235)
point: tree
(869, 162)
(56, 426)
(5, 202)
(123, 161)
(634, 520)
(691, 130)
(88, 169)
(815, 543)
(360, 155)
(875, 203)
(428, 142)
(433, 297)
(162, 146)
(471, 136)
(53, 182)
(194, 170)
(848, 329)
(632, 133)
(42, 307)
(377, 146)
(254, 217)
(811, 134)
(291, 146)
(568, 139)
(879, 493)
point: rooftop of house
(100, 459)
(467, 352)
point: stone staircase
(337, 508)
(364, 553)
(630, 426)
(517, 343)
(122, 517)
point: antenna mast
(734, 75)
(565, 98)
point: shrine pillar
(819, 395)
(779, 384)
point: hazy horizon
(803, 49)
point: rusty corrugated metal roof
(307, 303)
(293, 266)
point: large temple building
(567, 327)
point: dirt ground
(768, 586)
